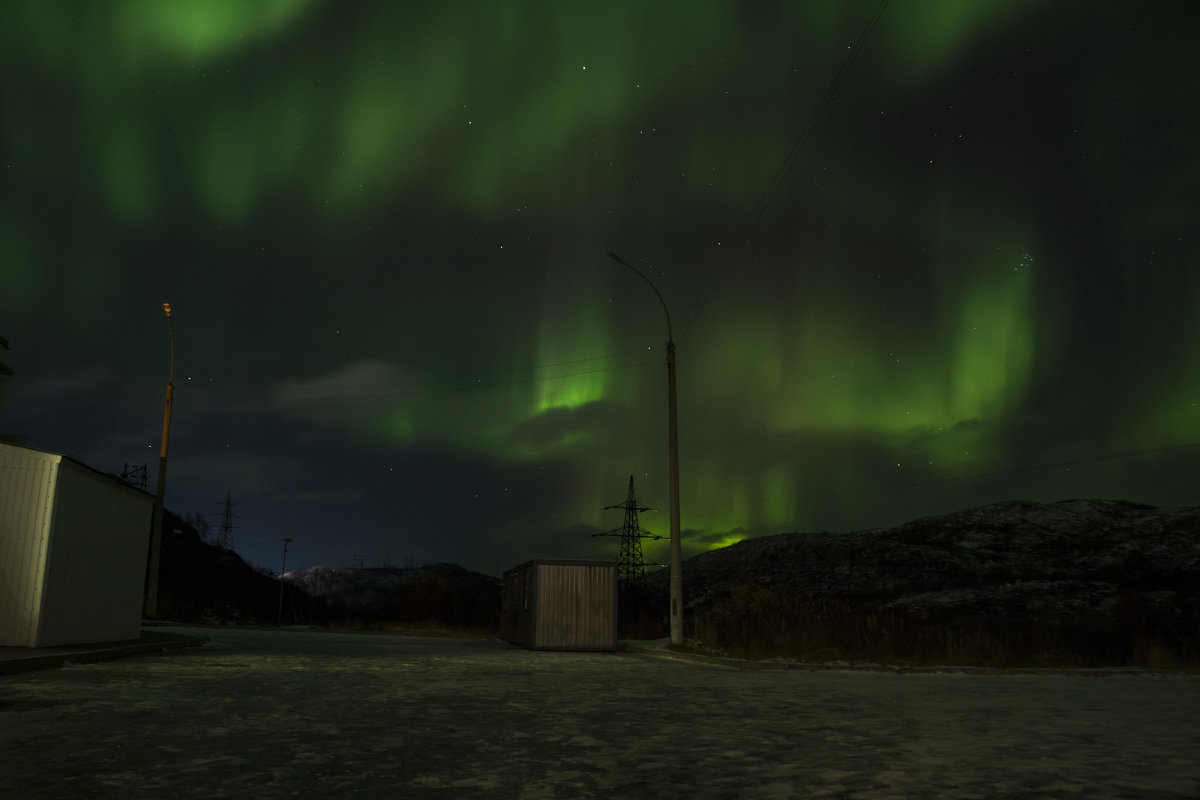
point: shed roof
(561, 562)
(80, 464)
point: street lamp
(283, 569)
(150, 598)
(672, 466)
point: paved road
(311, 714)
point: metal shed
(72, 551)
(560, 605)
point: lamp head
(167, 308)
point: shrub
(756, 621)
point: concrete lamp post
(150, 598)
(672, 466)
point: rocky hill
(1080, 581)
(1018, 574)
(202, 582)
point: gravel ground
(313, 714)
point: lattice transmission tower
(631, 567)
(134, 475)
(225, 530)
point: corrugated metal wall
(72, 552)
(27, 483)
(517, 609)
(560, 605)
(576, 606)
(94, 586)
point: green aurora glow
(383, 229)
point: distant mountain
(439, 593)
(1049, 572)
(205, 583)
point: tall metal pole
(673, 468)
(150, 598)
(282, 569)
(676, 609)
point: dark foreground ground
(312, 714)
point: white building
(73, 545)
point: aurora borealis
(382, 229)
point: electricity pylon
(134, 475)
(631, 568)
(225, 535)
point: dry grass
(758, 622)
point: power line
(764, 201)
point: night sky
(383, 227)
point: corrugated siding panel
(94, 587)
(27, 485)
(517, 615)
(575, 606)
